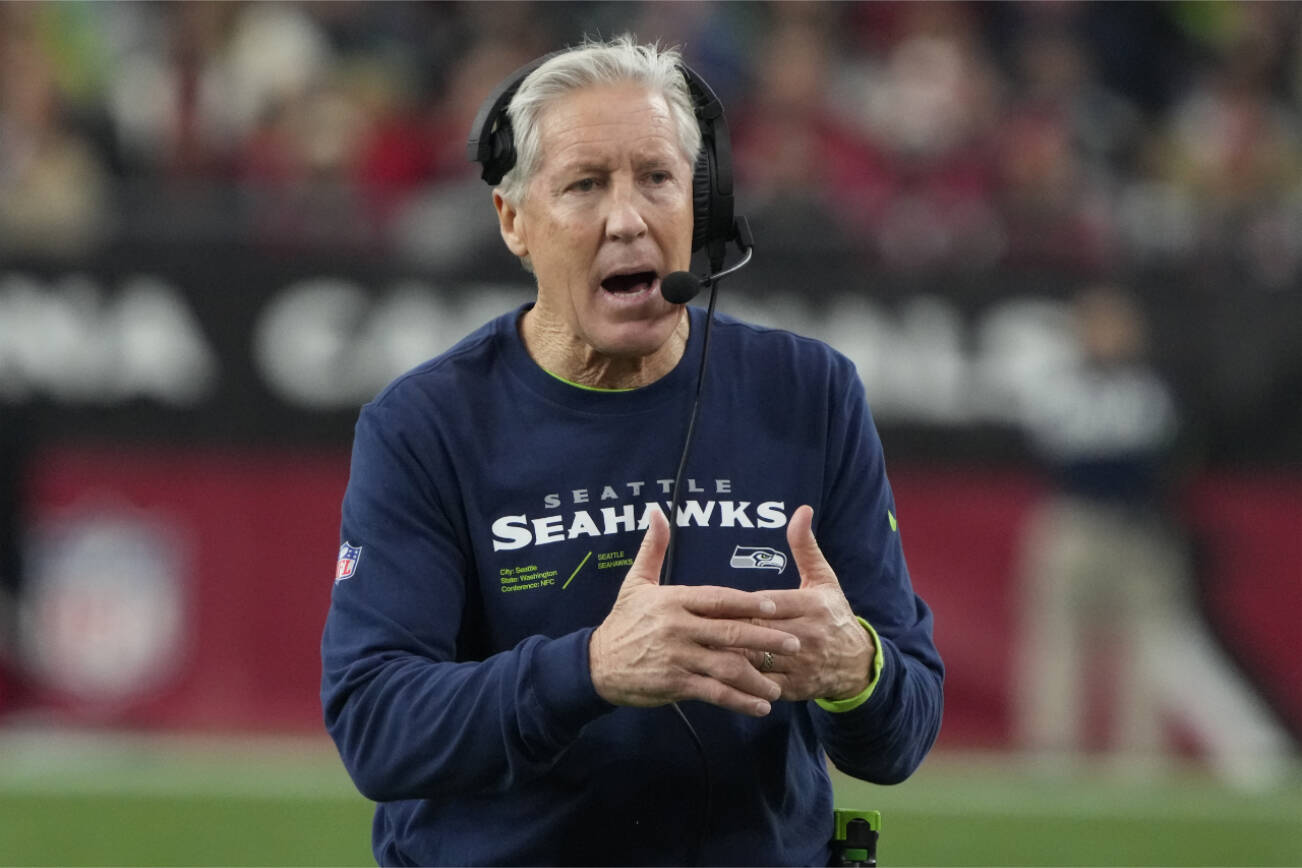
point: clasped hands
(661, 644)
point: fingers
(720, 694)
(710, 601)
(727, 679)
(651, 554)
(814, 568)
(743, 635)
(660, 644)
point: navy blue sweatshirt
(491, 514)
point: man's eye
(658, 178)
(584, 185)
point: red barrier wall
(252, 539)
(260, 538)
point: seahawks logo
(758, 558)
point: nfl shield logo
(349, 555)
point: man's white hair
(621, 59)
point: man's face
(607, 214)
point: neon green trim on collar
(842, 705)
(583, 387)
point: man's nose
(624, 220)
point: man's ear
(511, 224)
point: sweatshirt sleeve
(884, 739)
(414, 710)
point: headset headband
(492, 145)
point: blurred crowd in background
(927, 136)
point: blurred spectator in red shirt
(1062, 148)
(803, 169)
(931, 106)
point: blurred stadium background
(223, 227)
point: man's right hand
(661, 644)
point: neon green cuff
(841, 705)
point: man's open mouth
(629, 283)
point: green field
(134, 800)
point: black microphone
(680, 287)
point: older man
(502, 664)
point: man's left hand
(836, 653)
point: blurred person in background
(929, 103)
(1233, 139)
(438, 219)
(53, 186)
(802, 165)
(1062, 143)
(304, 125)
(504, 695)
(1231, 145)
(1107, 606)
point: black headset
(492, 144)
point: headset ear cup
(491, 143)
(702, 198)
(712, 200)
(503, 159)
